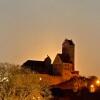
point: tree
(20, 84)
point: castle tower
(68, 50)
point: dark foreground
(83, 94)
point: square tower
(68, 50)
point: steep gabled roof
(64, 58)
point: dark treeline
(83, 94)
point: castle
(62, 68)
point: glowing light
(92, 88)
(98, 83)
(40, 78)
(38, 98)
(34, 98)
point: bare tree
(21, 84)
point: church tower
(68, 50)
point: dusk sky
(31, 29)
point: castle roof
(38, 66)
(64, 58)
(33, 63)
(69, 41)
